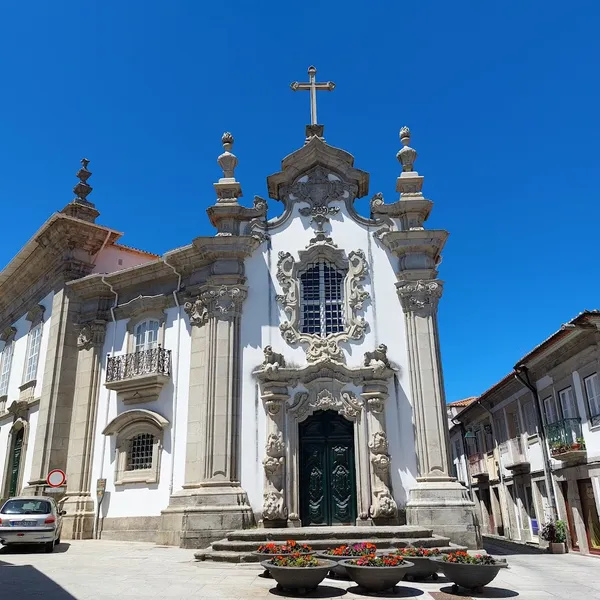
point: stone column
(383, 509)
(78, 523)
(54, 418)
(437, 500)
(212, 502)
(275, 511)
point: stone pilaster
(275, 512)
(78, 523)
(212, 501)
(383, 509)
(54, 418)
(437, 500)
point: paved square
(103, 570)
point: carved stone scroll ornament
(420, 294)
(91, 334)
(222, 302)
(384, 506)
(346, 404)
(319, 189)
(288, 271)
(378, 358)
(379, 443)
(273, 507)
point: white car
(31, 520)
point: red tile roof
(463, 402)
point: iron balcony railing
(155, 361)
(565, 435)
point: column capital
(91, 333)
(216, 301)
(419, 295)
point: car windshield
(27, 507)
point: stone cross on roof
(312, 86)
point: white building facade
(283, 372)
(529, 447)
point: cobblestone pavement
(102, 570)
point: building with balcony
(528, 448)
(258, 374)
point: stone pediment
(316, 153)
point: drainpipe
(463, 431)
(175, 374)
(112, 351)
(522, 374)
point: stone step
(323, 544)
(331, 533)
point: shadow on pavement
(486, 592)
(32, 549)
(323, 591)
(25, 581)
(501, 548)
(400, 591)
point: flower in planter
(295, 560)
(287, 548)
(554, 532)
(372, 560)
(418, 551)
(465, 558)
(353, 550)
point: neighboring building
(523, 471)
(282, 372)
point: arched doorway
(15, 462)
(327, 470)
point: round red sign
(56, 478)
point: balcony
(139, 376)
(566, 440)
(477, 466)
(515, 456)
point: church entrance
(327, 472)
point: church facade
(283, 372)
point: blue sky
(502, 100)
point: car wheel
(57, 541)
(49, 547)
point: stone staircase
(239, 545)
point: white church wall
(261, 307)
(47, 304)
(133, 499)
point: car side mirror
(63, 513)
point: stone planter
(376, 579)
(423, 567)
(337, 570)
(299, 579)
(557, 548)
(471, 577)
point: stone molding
(345, 403)
(420, 295)
(139, 306)
(288, 275)
(36, 314)
(8, 334)
(416, 249)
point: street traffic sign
(56, 478)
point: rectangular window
(7, 356)
(567, 404)
(592, 393)
(550, 410)
(530, 417)
(500, 427)
(33, 353)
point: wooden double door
(327, 470)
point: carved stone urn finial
(227, 161)
(407, 155)
(82, 189)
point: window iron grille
(140, 451)
(322, 299)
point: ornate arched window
(322, 299)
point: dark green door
(327, 475)
(15, 463)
